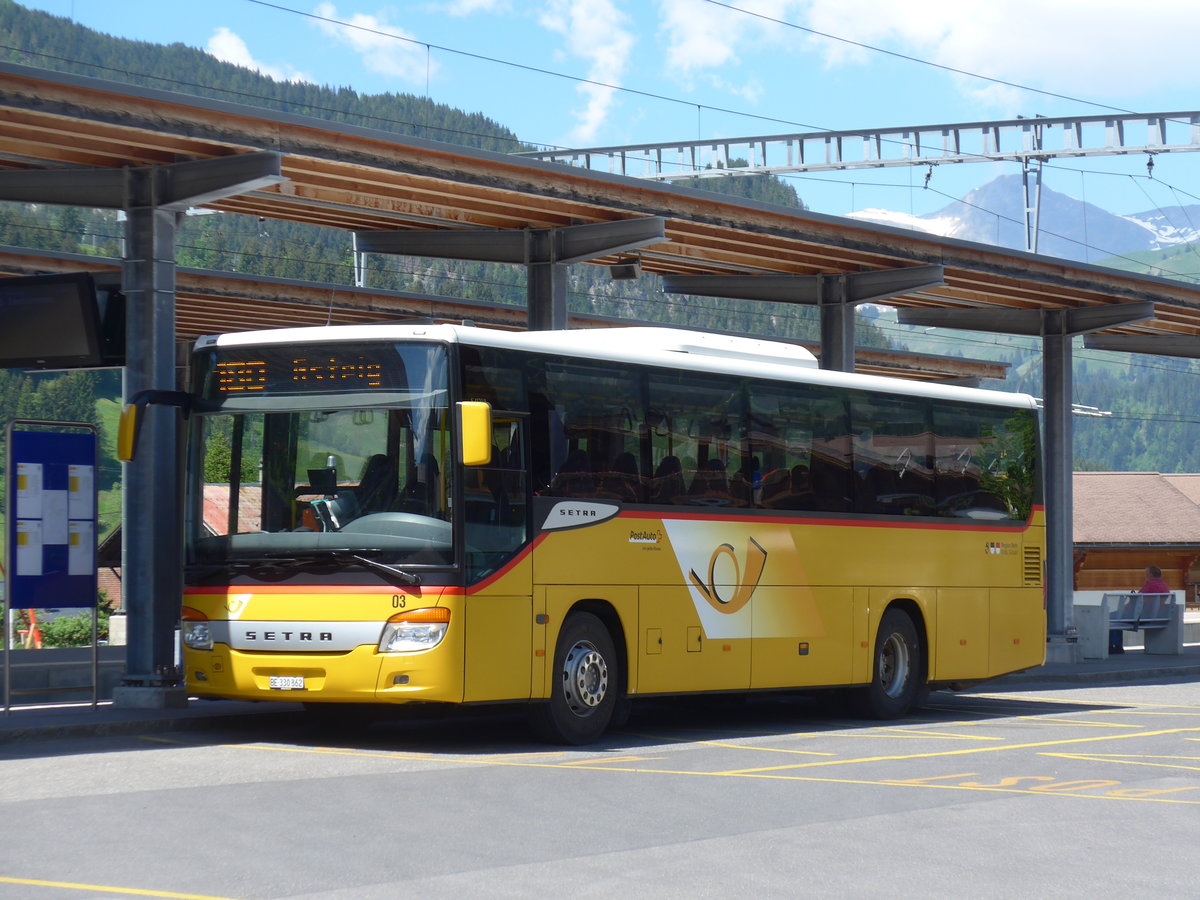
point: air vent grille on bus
(1033, 565)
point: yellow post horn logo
(756, 559)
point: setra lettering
(302, 636)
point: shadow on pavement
(492, 731)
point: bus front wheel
(585, 684)
(897, 668)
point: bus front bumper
(362, 675)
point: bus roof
(674, 348)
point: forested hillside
(1180, 262)
(34, 38)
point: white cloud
(1103, 50)
(599, 33)
(1096, 50)
(383, 48)
(702, 36)
(229, 47)
(460, 8)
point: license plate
(287, 682)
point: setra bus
(421, 513)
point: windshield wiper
(316, 557)
(406, 578)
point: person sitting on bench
(1154, 585)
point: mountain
(1068, 228)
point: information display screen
(49, 321)
(229, 373)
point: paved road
(1062, 791)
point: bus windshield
(308, 459)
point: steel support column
(152, 555)
(151, 546)
(545, 285)
(1059, 473)
(837, 324)
(545, 253)
(1031, 181)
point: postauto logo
(721, 566)
(744, 583)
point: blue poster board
(52, 520)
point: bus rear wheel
(896, 680)
(585, 684)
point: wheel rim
(894, 665)
(585, 678)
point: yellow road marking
(1155, 712)
(611, 759)
(1129, 760)
(937, 753)
(1102, 756)
(1082, 722)
(773, 773)
(108, 889)
(908, 732)
(730, 746)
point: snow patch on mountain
(943, 226)
(1168, 228)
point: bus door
(499, 602)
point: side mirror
(475, 432)
(130, 427)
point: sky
(586, 73)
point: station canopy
(363, 180)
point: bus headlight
(194, 628)
(420, 629)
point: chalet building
(1125, 521)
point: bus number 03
(398, 602)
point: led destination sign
(228, 373)
(306, 373)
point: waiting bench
(1160, 616)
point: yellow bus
(421, 513)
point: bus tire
(583, 695)
(896, 672)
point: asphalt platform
(40, 723)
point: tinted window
(696, 440)
(985, 458)
(798, 436)
(893, 473)
(589, 420)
